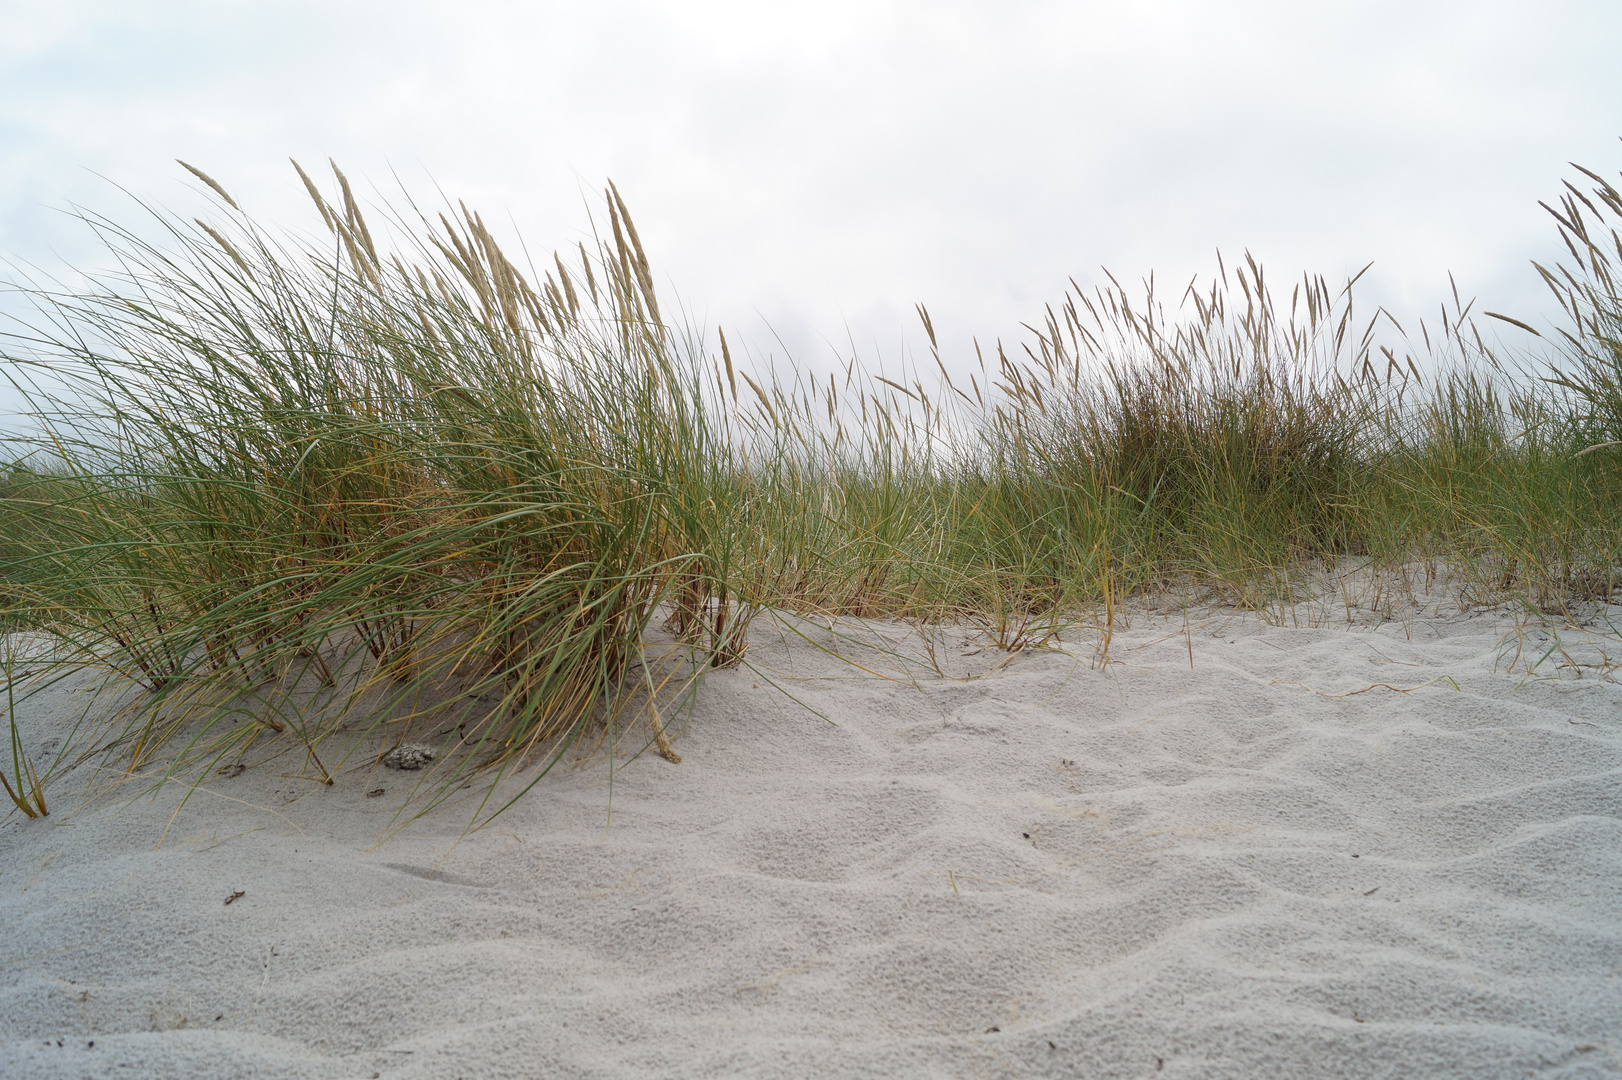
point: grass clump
(1590, 293)
(1226, 446)
(403, 478)
(316, 487)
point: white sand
(1054, 870)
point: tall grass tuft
(1228, 444)
(296, 476)
(1590, 293)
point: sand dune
(1228, 852)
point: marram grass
(303, 489)
(377, 474)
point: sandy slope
(1148, 869)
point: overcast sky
(819, 168)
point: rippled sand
(1227, 851)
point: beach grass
(388, 478)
